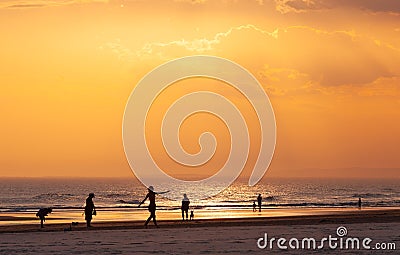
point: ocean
(30, 194)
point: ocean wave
(53, 196)
(250, 201)
(134, 202)
(314, 204)
(371, 195)
(115, 195)
(212, 207)
(271, 198)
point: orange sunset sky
(331, 69)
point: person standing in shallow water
(259, 201)
(359, 203)
(185, 207)
(151, 195)
(90, 210)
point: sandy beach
(205, 236)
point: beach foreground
(211, 236)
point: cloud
(191, 1)
(382, 87)
(118, 49)
(389, 6)
(203, 44)
(371, 5)
(285, 81)
(333, 58)
(26, 5)
(43, 3)
(286, 6)
(329, 58)
(290, 82)
(283, 6)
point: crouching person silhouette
(42, 213)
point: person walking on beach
(254, 206)
(42, 213)
(90, 210)
(359, 203)
(151, 195)
(185, 207)
(259, 201)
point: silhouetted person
(254, 206)
(151, 195)
(359, 203)
(42, 213)
(191, 215)
(90, 210)
(259, 201)
(185, 207)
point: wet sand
(295, 217)
(139, 215)
(214, 235)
